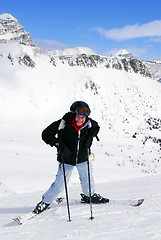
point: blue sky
(105, 26)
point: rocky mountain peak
(124, 54)
(7, 16)
(10, 29)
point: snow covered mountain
(154, 68)
(124, 54)
(10, 29)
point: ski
(133, 203)
(24, 218)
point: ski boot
(41, 206)
(95, 198)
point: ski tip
(139, 202)
(17, 221)
(59, 200)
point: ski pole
(65, 182)
(66, 191)
(89, 181)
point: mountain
(13, 33)
(10, 29)
(124, 54)
(154, 67)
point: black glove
(58, 145)
(55, 143)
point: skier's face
(80, 119)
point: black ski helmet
(78, 104)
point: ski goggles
(82, 111)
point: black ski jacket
(74, 145)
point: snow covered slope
(112, 222)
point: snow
(154, 68)
(73, 51)
(123, 54)
(124, 168)
(110, 221)
(6, 16)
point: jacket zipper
(87, 124)
(78, 147)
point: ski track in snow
(110, 222)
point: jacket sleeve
(49, 134)
(94, 129)
(92, 132)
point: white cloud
(157, 39)
(151, 29)
(49, 44)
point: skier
(72, 136)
